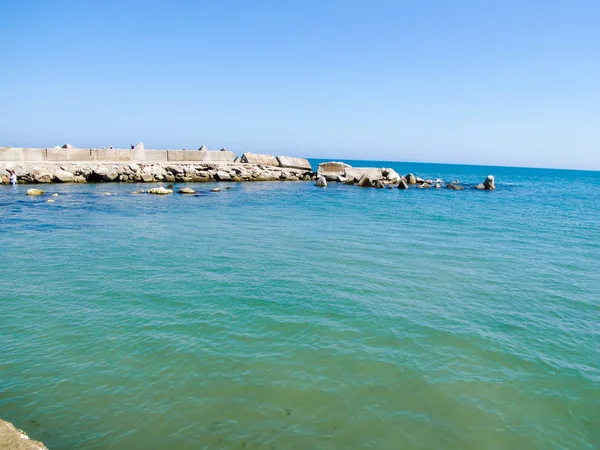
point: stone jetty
(15, 439)
(67, 164)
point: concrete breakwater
(15, 439)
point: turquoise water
(285, 316)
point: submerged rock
(160, 191)
(35, 192)
(455, 187)
(425, 186)
(215, 190)
(186, 191)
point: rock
(419, 180)
(438, 186)
(215, 190)
(223, 176)
(50, 201)
(349, 181)
(186, 191)
(332, 168)
(64, 176)
(140, 146)
(146, 177)
(228, 187)
(357, 173)
(67, 146)
(378, 184)
(410, 179)
(35, 192)
(425, 186)
(489, 183)
(170, 186)
(133, 167)
(13, 439)
(54, 195)
(202, 148)
(111, 175)
(321, 182)
(365, 181)
(79, 179)
(175, 170)
(402, 184)
(41, 176)
(481, 187)
(455, 187)
(392, 175)
(160, 191)
(106, 194)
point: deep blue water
(282, 315)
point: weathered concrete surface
(149, 155)
(68, 154)
(295, 163)
(22, 154)
(12, 438)
(200, 156)
(257, 158)
(332, 168)
(357, 173)
(110, 155)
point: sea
(281, 315)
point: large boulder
(455, 187)
(160, 191)
(35, 192)
(378, 184)
(402, 184)
(294, 163)
(41, 176)
(64, 176)
(489, 183)
(411, 179)
(391, 175)
(321, 182)
(223, 176)
(257, 158)
(186, 190)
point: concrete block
(68, 154)
(200, 156)
(22, 154)
(257, 158)
(149, 155)
(294, 163)
(223, 156)
(332, 168)
(111, 155)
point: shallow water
(282, 315)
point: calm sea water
(286, 316)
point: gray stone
(41, 176)
(160, 191)
(64, 176)
(365, 181)
(332, 168)
(146, 177)
(186, 191)
(223, 176)
(392, 175)
(411, 179)
(455, 187)
(378, 184)
(402, 184)
(321, 182)
(256, 158)
(489, 183)
(296, 163)
(357, 173)
(35, 192)
(134, 167)
(425, 186)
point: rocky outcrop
(12, 438)
(489, 183)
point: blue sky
(507, 83)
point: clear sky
(482, 82)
